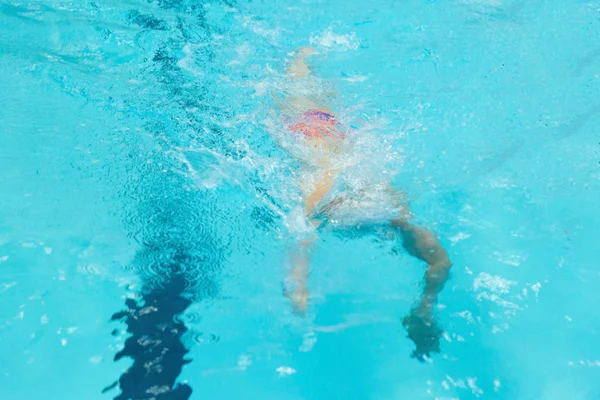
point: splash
(187, 62)
(259, 176)
(495, 284)
(365, 162)
(328, 40)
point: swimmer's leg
(424, 245)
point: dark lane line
(155, 343)
(178, 262)
(179, 259)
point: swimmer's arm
(321, 189)
(298, 68)
(297, 288)
(297, 280)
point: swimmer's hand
(306, 51)
(299, 299)
(296, 287)
(423, 331)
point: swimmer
(317, 127)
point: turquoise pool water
(143, 201)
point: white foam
(472, 382)
(495, 284)
(332, 41)
(95, 360)
(536, 288)
(187, 62)
(497, 385)
(244, 361)
(297, 223)
(355, 78)
(459, 237)
(494, 298)
(510, 259)
(7, 285)
(466, 315)
(259, 28)
(285, 371)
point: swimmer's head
(317, 124)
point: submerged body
(317, 128)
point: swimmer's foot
(424, 332)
